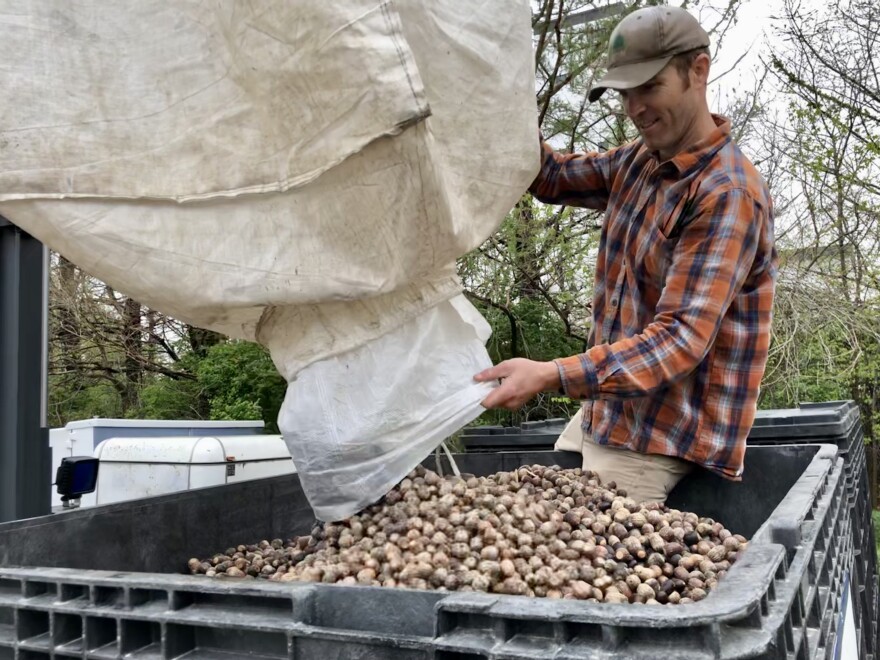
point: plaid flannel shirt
(685, 279)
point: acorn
(536, 531)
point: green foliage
(168, 398)
(233, 380)
(231, 408)
(542, 334)
(543, 337)
(532, 283)
(69, 401)
(241, 382)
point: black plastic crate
(833, 422)
(530, 436)
(837, 423)
(782, 600)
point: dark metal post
(25, 458)
(584, 17)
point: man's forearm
(572, 179)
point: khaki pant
(644, 477)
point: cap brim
(628, 76)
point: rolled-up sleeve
(579, 179)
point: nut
(537, 531)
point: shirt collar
(703, 149)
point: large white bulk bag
(300, 173)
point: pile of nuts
(537, 531)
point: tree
(112, 357)
(103, 346)
(827, 146)
(832, 67)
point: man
(685, 273)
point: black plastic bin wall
(786, 598)
(530, 436)
(838, 423)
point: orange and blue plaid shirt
(685, 278)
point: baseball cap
(644, 42)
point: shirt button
(614, 302)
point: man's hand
(521, 379)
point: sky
(748, 38)
(751, 36)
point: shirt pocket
(671, 223)
(655, 257)
(658, 247)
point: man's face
(663, 109)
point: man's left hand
(521, 379)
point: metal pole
(584, 17)
(25, 459)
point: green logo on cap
(618, 43)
